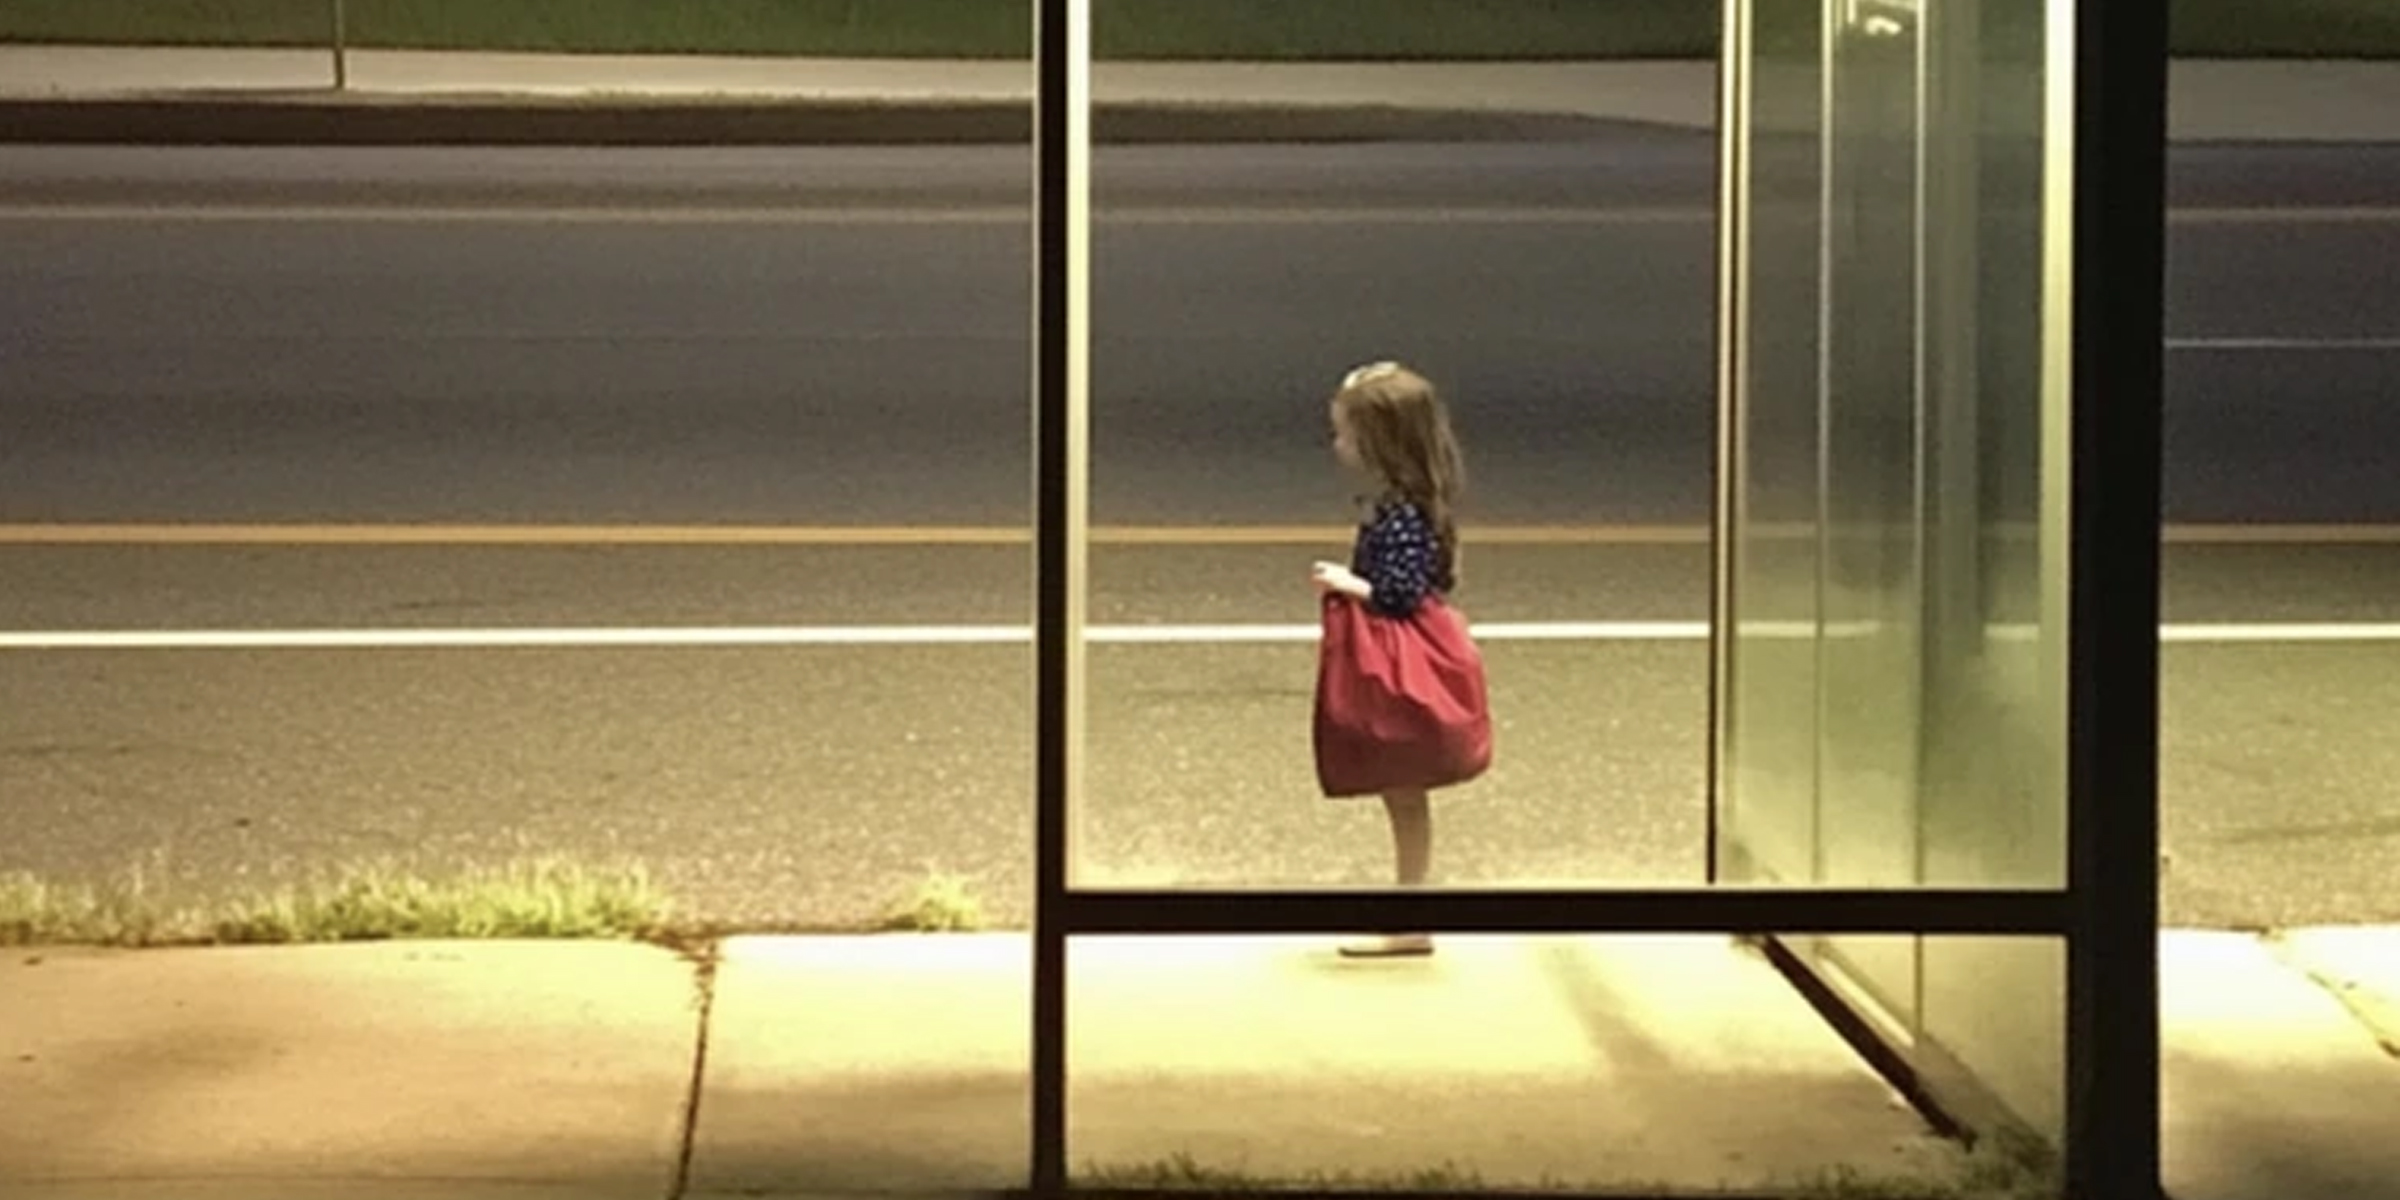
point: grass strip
(544, 897)
(536, 898)
(2285, 28)
(940, 903)
(1990, 1172)
(1126, 29)
(1184, 1173)
(1122, 29)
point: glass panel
(1550, 277)
(1602, 1063)
(1894, 685)
(1893, 681)
(1202, 774)
(1999, 1057)
(1870, 664)
(1994, 798)
(1768, 808)
(1872, 614)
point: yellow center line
(2295, 534)
(2328, 214)
(178, 534)
(404, 534)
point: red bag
(1400, 701)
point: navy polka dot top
(1400, 556)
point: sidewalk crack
(2343, 992)
(704, 960)
(2346, 995)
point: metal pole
(341, 45)
(2118, 59)
(1062, 136)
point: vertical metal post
(2119, 65)
(1062, 137)
(1733, 226)
(340, 39)
(1831, 23)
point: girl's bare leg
(1412, 834)
(1411, 814)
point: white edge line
(822, 635)
(14, 536)
(954, 635)
(2332, 631)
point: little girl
(1389, 424)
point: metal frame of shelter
(2107, 912)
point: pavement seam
(704, 959)
(2343, 993)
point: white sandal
(1395, 945)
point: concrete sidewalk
(2282, 1071)
(790, 1066)
(2211, 100)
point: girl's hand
(1334, 577)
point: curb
(324, 119)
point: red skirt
(1401, 702)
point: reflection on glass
(1768, 802)
(1894, 690)
(1599, 1063)
(1892, 655)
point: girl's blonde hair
(1402, 432)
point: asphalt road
(822, 338)
(839, 336)
(812, 783)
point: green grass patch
(1999, 1169)
(2286, 28)
(1852, 1184)
(128, 912)
(1403, 29)
(1183, 1173)
(939, 903)
(537, 898)
(1122, 29)
(1247, 29)
(167, 22)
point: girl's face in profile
(1345, 441)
